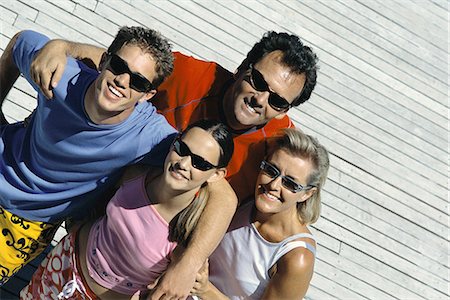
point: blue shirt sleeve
(157, 155)
(26, 47)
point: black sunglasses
(258, 82)
(273, 172)
(137, 82)
(197, 161)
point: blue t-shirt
(61, 161)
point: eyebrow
(271, 89)
(195, 153)
(128, 66)
(296, 179)
(268, 85)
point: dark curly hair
(300, 58)
(150, 41)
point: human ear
(103, 61)
(241, 69)
(236, 74)
(218, 174)
(281, 116)
(306, 195)
(147, 96)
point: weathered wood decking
(381, 107)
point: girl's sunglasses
(137, 82)
(197, 161)
(273, 172)
(258, 82)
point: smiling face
(110, 99)
(178, 170)
(271, 197)
(246, 107)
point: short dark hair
(300, 58)
(150, 41)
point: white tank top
(240, 265)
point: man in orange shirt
(278, 73)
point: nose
(275, 183)
(260, 99)
(122, 80)
(184, 162)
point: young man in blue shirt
(75, 144)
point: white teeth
(271, 196)
(251, 109)
(177, 174)
(114, 91)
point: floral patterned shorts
(58, 276)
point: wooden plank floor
(381, 107)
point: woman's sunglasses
(197, 161)
(258, 82)
(137, 82)
(273, 172)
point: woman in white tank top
(268, 251)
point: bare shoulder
(297, 261)
(291, 275)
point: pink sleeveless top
(129, 247)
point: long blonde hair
(184, 223)
(299, 144)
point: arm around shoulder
(48, 65)
(292, 276)
(215, 219)
(9, 72)
(212, 225)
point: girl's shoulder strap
(291, 243)
(298, 236)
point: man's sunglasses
(258, 82)
(137, 82)
(273, 172)
(197, 161)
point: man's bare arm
(48, 65)
(8, 74)
(179, 278)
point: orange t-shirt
(194, 91)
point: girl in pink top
(154, 210)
